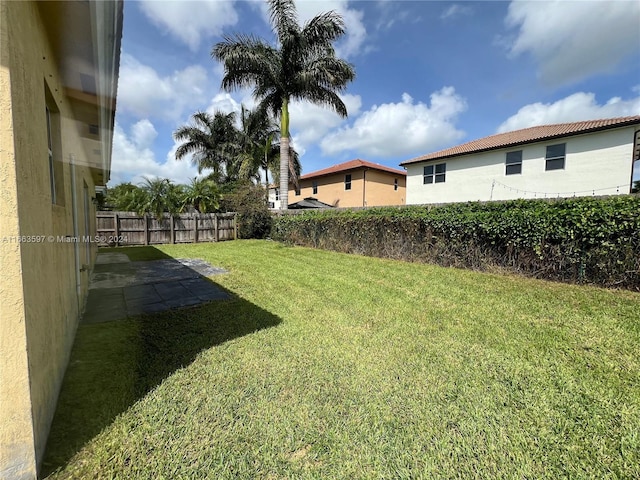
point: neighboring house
(356, 183)
(58, 77)
(274, 197)
(564, 160)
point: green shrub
(593, 240)
(249, 201)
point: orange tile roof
(352, 165)
(527, 135)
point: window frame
(347, 181)
(434, 173)
(513, 163)
(550, 160)
(52, 170)
(314, 187)
(395, 184)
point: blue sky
(429, 75)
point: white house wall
(597, 163)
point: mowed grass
(333, 366)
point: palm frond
(284, 18)
(323, 29)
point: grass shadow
(114, 364)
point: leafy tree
(123, 196)
(203, 194)
(211, 139)
(247, 200)
(303, 67)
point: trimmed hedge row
(582, 240)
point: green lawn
(332, 366)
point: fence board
(129, 228)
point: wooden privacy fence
(129, 228)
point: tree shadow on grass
(114, 364)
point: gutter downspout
(76, 244)
(636, 145)
(364, 187)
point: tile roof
(527, 135)
(352, 165)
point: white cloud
(572, 40)
(574, 108)
(405, 128)
(309, 122)
(456, 10)
(133, 157)
(191, 21)
(144, 93)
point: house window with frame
(347, 182)
(277, 192)
(434, 173)
(297, 191)
(52, 170)
(54, 149)
(554, 158)
(395, 184)
(513, 163)
(315, 187)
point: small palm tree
(211, 139)
(159, 196)
(302, 67)
(202, 194)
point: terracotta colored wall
(379, 189)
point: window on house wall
(554, 159)
(52, 170)
(54, 150)
(395, 184)
(315, 187)
(347, 182)
(434, 173)
(277, 192)
(514, 163)
(297, 191)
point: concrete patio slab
(120, 288)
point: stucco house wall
(45, 276)
(596, 163)
(369, 187)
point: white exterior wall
(597, 163)
(272, 199)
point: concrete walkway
(120, 288)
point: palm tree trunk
(284, 173)
(284, 155)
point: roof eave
(524, 142)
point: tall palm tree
(302, 67)
(260, 147)
(211, 141)
(255, 137)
